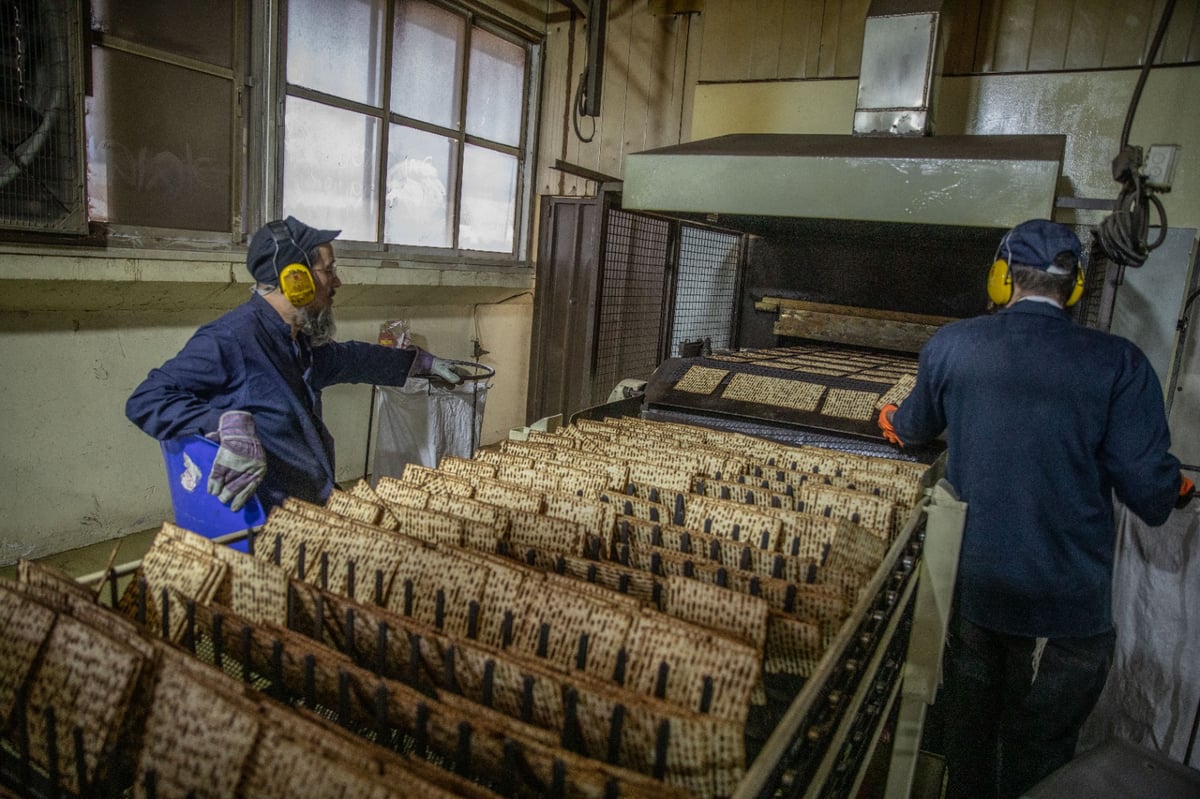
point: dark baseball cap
(266, 258)
(1037, 243)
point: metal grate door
(633, 287)
(706, 287)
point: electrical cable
(1123, 233)
(578, 105)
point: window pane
(497, 77)
(419, 179)
(336, 47)
(426, 73)
(203, 31)
(152, 159)
(329, 158)
(489, 192)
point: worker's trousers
(1014, 706)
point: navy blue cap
(1037, 243)
(265, 262)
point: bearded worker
(252, 379)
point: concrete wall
(79, 330)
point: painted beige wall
(79, 331)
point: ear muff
(999, 282)
(295, 279)
(1077, 289)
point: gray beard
(319, 326)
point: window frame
(238, 75)
(279, 89)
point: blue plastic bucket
(189, 460)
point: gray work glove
(240, 463)
(426, 364)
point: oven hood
(970, 181)
(890, 170)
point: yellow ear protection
(295, 279)
(1000, 283)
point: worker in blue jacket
(1045, 420)
(252, 379)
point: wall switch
(1159, 166)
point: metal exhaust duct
(902, 57)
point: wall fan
(42, 168)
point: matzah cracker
(700, 380)
(795, 394)
(849, 404)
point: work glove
(427, 364)
(240, 463)
(1187, 490)
(885, 424)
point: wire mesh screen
(41, 183)
(705, 288)
(630, 328)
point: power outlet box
(1159, 166)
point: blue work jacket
(1044, 420)
(247, 360)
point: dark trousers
(1011, 720)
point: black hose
(1123, 233)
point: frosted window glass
(337, 48)
(426, 63)
(329, 158)
(489, 192)
(419, 182)
(151, 159)
(497, 77)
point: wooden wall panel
(1049, 35)
(1089, 28)
(667, 81)
(606, 148)
(726, 55)
(1126, 37)
(768, 36)
(808, 39)
(960, 37)
(800, 50)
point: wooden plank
(787, 304)
(1181, 42)
(1013, 36)
(645, 51)
(851, 27)
(1089, 26)
(801, 46)
(1129, 27)
(853, 330)
(666, 82)
(1049, 36)
(960, 34)
(555, 120)
(767, 26)
(606, 147)
(728, 33)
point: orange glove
(1187, 489)
(885, 424)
